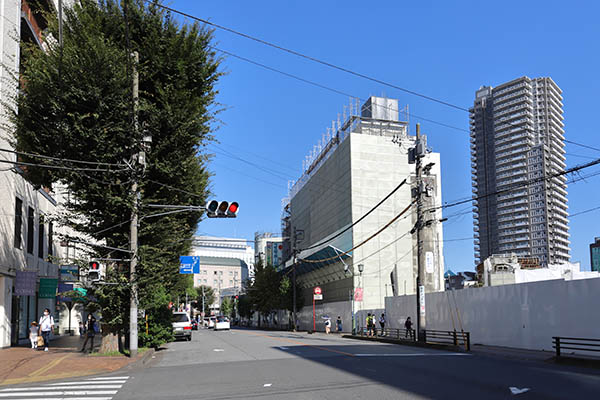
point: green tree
(77, 104)
(209, 298)
(265, 290)
(227, 307)
(245, 308)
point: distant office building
(223, 274)
(211, 246)
(517, 136)
(358, 163)
(595, 255)
(268, 248)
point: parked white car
(182, 326)
(222, 323)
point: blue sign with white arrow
(189, 264)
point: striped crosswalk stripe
(102, 388)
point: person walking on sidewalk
(328, 326)
(46, 326)
(338, 324)
(408, 327)
(382, 323)
(90, 328)
(33, 334)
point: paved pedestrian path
(103, 388)
(63, 361)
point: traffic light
(223, 209)
(94, 271)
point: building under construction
(358, 259)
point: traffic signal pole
(133, 228)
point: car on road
(182, 326)
(222, 323)
(211, 322)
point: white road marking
(516, 390)
(408, 354)
(267, 385)
(109, 378)
(283, 347)
(67, 387)
(89, 382)
(60, 393)
(218, 350)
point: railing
(569, 343)
(449, 338)
(453, 338)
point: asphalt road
(248, 364)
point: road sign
(422, 300)
(358, 294)
(189, 265)
(317, 290)
(318, 296)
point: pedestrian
(33, 334)
(328, 326)
(90, 327)
(408, 327)
(46, 326)
(382, 324)
(338, 324)
(81, 329)
(369, 325)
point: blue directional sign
(189, 265)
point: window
(231, 281)
(230, 272)
(203, 280)
(30, 221)
(41, 238)
(205, 272)
(236, 273)
(50, 237)
(18, 222)
(220, 272)
(214, 281)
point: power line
(584, 212)
(17, 163)
(581, 145)
(62, 159)
(524, 184)
(310, 58)
(361, 218)
(176, 189)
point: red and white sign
(317, 296)
(358, 294)
(318, 290)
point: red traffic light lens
(233, 207)
(94, 265)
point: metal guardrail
(449, 337)
(582, 344)
(453, 338)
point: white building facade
(268, 248)
(360, 162)
(212, 246)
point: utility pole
(421, 320)
(294, 279)
(203, 303)
(133, 228)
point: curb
(144, 359)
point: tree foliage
(227, 307)
(77, 104)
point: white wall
(524, 315)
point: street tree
(76, 104)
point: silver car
(182, 326)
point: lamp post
(360, 271)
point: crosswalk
(89, 389)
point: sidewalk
(512, 353)
(62, 360)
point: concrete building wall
(524, 315)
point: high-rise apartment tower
(517, 147)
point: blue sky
(442, 49)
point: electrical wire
(62, 159)
(360, 219)
(17, 163)
(310, 58)
(364, 241)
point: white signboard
(318, 296)
(429, 262)
(422, 300)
